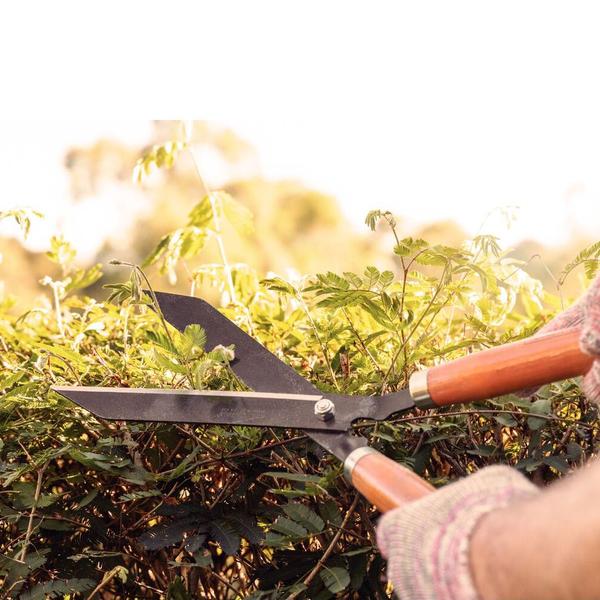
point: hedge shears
(283, 398)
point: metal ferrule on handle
(382, 481)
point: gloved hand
(585, 312)
(426, 542)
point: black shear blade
(253, 364)
(261, 370)
(216, 407)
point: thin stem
(361, 342)
(476, 412)
(321, 343)
(125, 335)
(108, 577)
(36, 498)
(425, 312)
(328, 552)
(217, 223)
(59, 320)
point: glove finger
(590, 333)
(591, 383)
(386, 525)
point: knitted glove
(585, 312)
(426, 542)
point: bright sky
(431, 110)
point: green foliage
(589, 258)
(158, 157)
(151, 510)
(22, 217)
(204, 223)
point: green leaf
(560, 463)
(330, 512)
(303, 515)
(289, 528)
(589, 257)
(166, 534)
(506, 420)
(56, 525)
(357, 566)
(246, 526)
(177, 590)
(83, 278)
(194, 542)
(193, 337)
(277, 284)
(335, 579)
(224, 533)
(22, 217)
(542, 406)
(293, 476)
(237, 214)
(61, 252)
(203, 559)
(202, 214)
(10, 379)
(139, 495)
(58, 588)
(73, 357)
(409, 246)
(275, 540)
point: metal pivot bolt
(324, 409)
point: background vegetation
(91, 509)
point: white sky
(433, 109)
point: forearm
(547, 547)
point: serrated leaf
(193, 337)
(506, 420)
(306, 517)
(55, 525)
(560, 463)
(166, 534)
(293, 476)
(330, 512)
(289, 528)
(246, 526)
(542, 406)
(194, 542)
(236, 213)
(335, 579)
(202, 214)
(279, 285)
(275, 540)
(58, 588)
(223, 532)
(83, 278)
(357, 566)
(139, 495)
(409, 246)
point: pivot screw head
(324, 409)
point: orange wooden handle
(385, 483)
(509, 368)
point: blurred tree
(294, 226)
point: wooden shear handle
(501, 370)
(486, 374)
